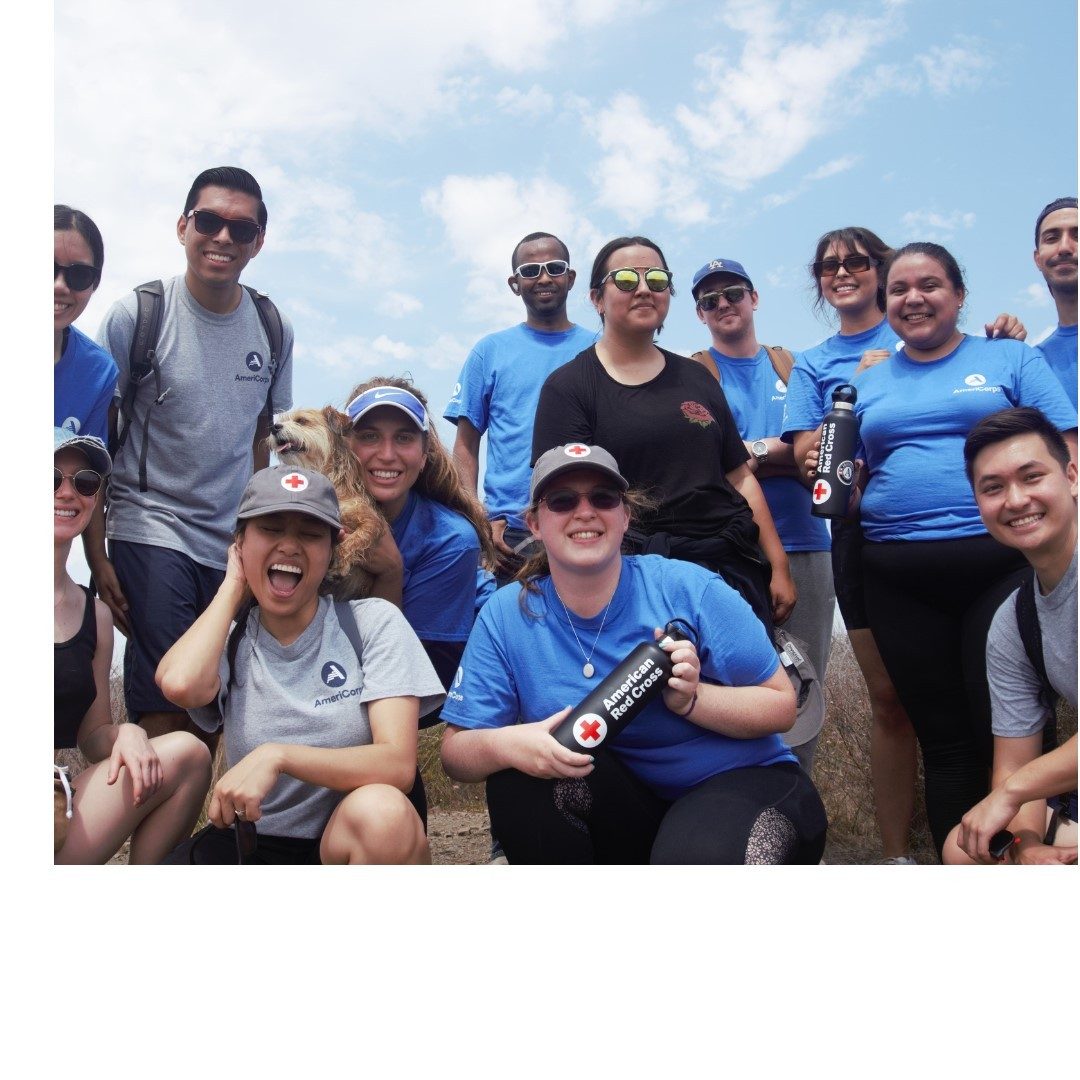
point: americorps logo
(333, 674)
(452, 693)
(976, 383)
(976, 380)
(254, 361)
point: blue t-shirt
(1060, 352)
(440, 552)
(914, 418)
(526, 666)
(820, 370)
(83, 384)
(756, 395)
(497, 392)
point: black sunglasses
(554, 268)
(78, 277)
(565, 501)
(853, 264)
(86, 482)
(208, 223)
(733, 294)
(626, 278)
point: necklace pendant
(588, 670)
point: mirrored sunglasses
(853, 264)
(733, 294)
(554, 268)
(78, 277)
(86, 482)
(626, 278)
(565, 501)
(208, 223)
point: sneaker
(497, 856)
(899, 860)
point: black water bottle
(836, 456)
(621, 696)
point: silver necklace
(588, 670)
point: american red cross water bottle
(632, 684)
(836, 456)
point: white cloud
(1035, 295)
(354, 354)
(398, 304)
(644, 170)
(931, 225)
(959, 66)
(535, 101)
(832, 168)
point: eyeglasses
(554, 268)
(733, 294)
(853, 264)
(626, 278)
(78, 277)
(565, 501)
(208, 223)
(86, 482)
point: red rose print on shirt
(696, 414)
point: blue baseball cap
(378, 396)
(719, 266)
(90, 445)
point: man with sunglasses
(196, 432)
(499, 387)
(755, 389)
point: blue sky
(404, 151)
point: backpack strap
(1027, 623)
(782, 361)
(705, 359)
(270, 318)
(347, 618)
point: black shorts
(847, 545)
(166, 592)
(212, 846)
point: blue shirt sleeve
(484, 693)
(472, 394)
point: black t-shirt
(674, 437)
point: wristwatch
(760, 450)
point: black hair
(933, 251)
(1008, 424)
(537, 236)
(851, 237)
(600, 262)
(1058, 204)
(64, 218)
(231, 178)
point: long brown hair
(439, 480)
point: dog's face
(312, 438)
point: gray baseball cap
(284, 488)
(575, 455)
(90, 445)
(809, 699)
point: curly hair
(440, 480)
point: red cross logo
(590, 730)
(577, 450)
(294, 481)
(822, 490)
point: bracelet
(693, 702)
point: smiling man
(1055, 257)
(191, 434)
(499, 387)
(1025, 485)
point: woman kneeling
(701, 775)
(319, 701)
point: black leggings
(762, 814)
(930, 604)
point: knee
(188, 755)
(885, 705)
(375, 824)
(951, 853)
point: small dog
(315, 439)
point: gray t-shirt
(1014, 686)
(215, 368)
(311, 693)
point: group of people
(625, 487)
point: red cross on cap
(294, 481)
(577, 450)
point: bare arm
(96, 731)
(467, 453)
(805, 442)
(260, 448)
(781, 460)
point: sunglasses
(733, 294)
(627, 279)
(78, 277)
(86, 482)
(210, 224)
(554, 268)
(565, 501)
(853, 264)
